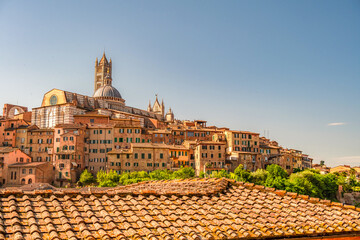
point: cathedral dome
(107, 91)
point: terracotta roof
(7, 149)
(190, 209)
(30, 164)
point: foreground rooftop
(177, 209)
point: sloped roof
(189, 209)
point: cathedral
(60, 107)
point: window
(121, 130)
(149, 155)
(129, 131)
(121, 140)
(143, 156)
(71, 138)
(92, 121)
(136, 164)
(219, 155)
(128, 156)
(24, 171)
(164, 164)
(161, 155)
(135, 155)
(127, 164)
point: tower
(169, 117)
(157, 107)
(103, 70)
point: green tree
(276, 177)
(219, 174)
(259, 176)
(160, 175)
(86, 178)
(242, 174)
(276, 171)
(107, 179)
(184, 172)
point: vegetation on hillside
(308, 182)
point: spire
(103, 59)
(149, 107)
(96, 62)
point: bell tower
(103, 71)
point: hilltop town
(55, 142)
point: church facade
(60, 107)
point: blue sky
(288, 67)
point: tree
(107, 179)
(219, 174)
(242, 174)
(86, 178)
(259, 176)
(277, 177)
(160, 175)
(276, 171)
(184, 172)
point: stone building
(100, 142)
(70, 152)
(28, 173)
(140, 157)
(210, 156)
(60, 107)
(40, 144)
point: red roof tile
(177, 209)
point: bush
(107, 179)
(219, 174)
(160, 175)
(184, 172)
(242, 174)
(259, 176)
(86, 178)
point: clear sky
(291, 68)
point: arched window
(30, 181)
(23, 181)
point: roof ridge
(177, 187)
